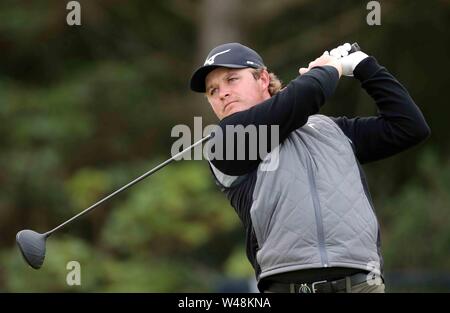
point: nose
(224, 93)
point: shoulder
(323, 120)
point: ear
(265, 79)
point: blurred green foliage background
(86, 109)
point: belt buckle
(313, 285)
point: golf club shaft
(153, 170)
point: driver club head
(32, 246)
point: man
(310, 224)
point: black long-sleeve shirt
(398, 125)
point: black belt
(322, 286)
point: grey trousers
(366, 288)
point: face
(233, 90)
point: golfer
(309, 222)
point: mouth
(226, 105)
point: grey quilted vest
(312, 211)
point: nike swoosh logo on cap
(211, 59)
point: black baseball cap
(231, 55)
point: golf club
(32, 244)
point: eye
(212, 91)
(232, 78)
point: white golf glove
(348, 61)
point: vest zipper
(317, 211)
